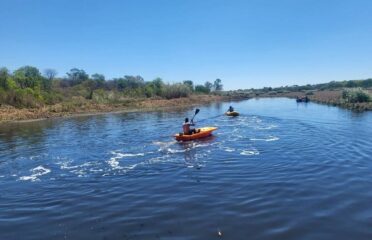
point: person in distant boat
(231, 109)
(187, 130)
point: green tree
(77, 76)
(208, 85)
(28, 77)
(217, 85)
(158, 86)
(99, 79)
(4, 73)
(133, 82)
(49, 75)
(189, 84)
(202, 89)
(356, 95)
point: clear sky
(246, 43)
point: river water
(281, 170)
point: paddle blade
(197, 111)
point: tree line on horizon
(353, 91)
(28, 87)
(333, 85)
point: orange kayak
(204, 132)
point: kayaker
(231, 109)
(187, 130)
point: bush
(356, 95)
(175, 91)
(23, 98)
(52, 97)
(202, 89)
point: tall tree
(4, 73)
(208, 85)
(189, 84)
(28, 77)
(99, 80)
(202, 89)
(217, 85)
(77, 76)
(134, 81)
(98, 77)
(158, 86)
(50, 74)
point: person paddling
(187, 130)
(231, 109)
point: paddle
(196, 112)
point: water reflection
(30, 133)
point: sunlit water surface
(281, 170)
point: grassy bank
(353, 94)
(27, 94)
(329, 97)
(83, 106)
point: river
(281, 170)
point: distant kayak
(232, 114)
(204, 132)
(303, 99)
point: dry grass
(83, 106)
(335, 98)
(331, 97)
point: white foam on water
(269, 139)
(201, 145)
(235, 138)
(123, 155)
(36, 172)
(266, 127)
(164, 145)
(249, 152)
(170, 150)
(38, 156)
(66, 165)
(114, 161)
(133, 166)
(34, 157)
(273, 138)
(160, 159)
(79, 173)
(228, 149)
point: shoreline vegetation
(86, 108)
(355, 95)
(26, 94)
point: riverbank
(82, 106)
(329, 97)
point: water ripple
(278, 171)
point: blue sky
(246, 43)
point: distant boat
(302, 99)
